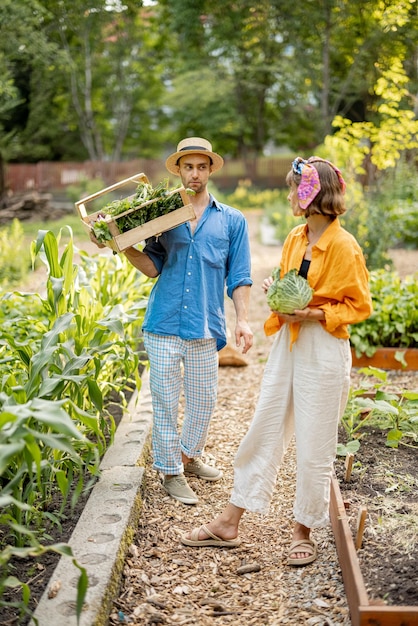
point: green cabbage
(290, 293)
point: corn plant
(61, 356)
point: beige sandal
(213, 540)
(302, 545)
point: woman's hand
(302, 315)
(266, 283)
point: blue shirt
(187, 299)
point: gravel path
(167, 583)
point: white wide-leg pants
(303, 392)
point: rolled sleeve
(239, 258)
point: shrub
(394, 321)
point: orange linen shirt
(338, 275)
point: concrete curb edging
(106, 526)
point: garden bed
(381, 577)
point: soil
(384, 481)
(165, 583)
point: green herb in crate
(165, 202)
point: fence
(48, 176)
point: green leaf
(400, 356)
(7, 452)
(374, 371)
(393, 438)
(351, 447)
(95, 394)
(82, 585)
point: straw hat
(194, 145)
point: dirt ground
(385, 481)
(167, 583)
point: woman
(307, 376)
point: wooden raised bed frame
(384, 358)
(121, 241)
(362, 611)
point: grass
(30, 229)
(15, 245)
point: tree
(372, 147)
(110, 65)
(231, 57)
(110, 80)
(22, 45)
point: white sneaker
(196, 467)
(177, 487)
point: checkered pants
(176, 363)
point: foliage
(245, 196)
(395, 414)
(113, 80)
(394, 321)
(14, 255)
(33, 550)
(372, 147)
(375, 235)
(65, 227)
(84, 187)
(61, 357)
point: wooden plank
(388, 615)
(347, 556)
(361, 522)
(349, 459)
(362, 612)
(154, 227)
(384, 358)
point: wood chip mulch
(167, 583)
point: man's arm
(141, 261)
(241, 300)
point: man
(184, 325)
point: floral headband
(310, 185)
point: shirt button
(190, 257)
(187, 290)
(185, 307)
(189, 273)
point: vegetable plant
(394, 321)
(150, 202)
(62, 355)
(395, 414)
(289, 293)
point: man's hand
(95, 240)
(243, 333)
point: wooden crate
(121, 241)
